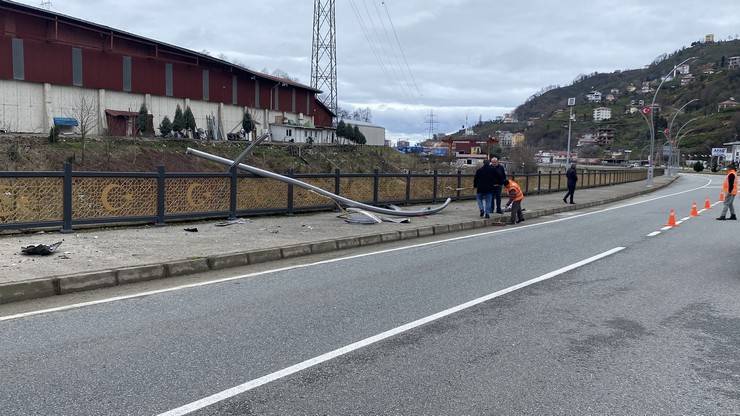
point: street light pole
(671, 136)
(651, 165)
(571, 104)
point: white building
(374, 134)
(594, 97)
(506, 138)
(684, 69)
(602, 113)
(300, 133)
(734, 62)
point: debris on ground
(359, 216)
(41, 249)
(308, 227)
(191, 230)
(396, 220)
(232, 222)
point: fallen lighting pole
(339, 199)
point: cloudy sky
(466, 58)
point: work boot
(488, 216)
(481, 213)
(565, 200)
(732, 217)
(721, 219)
(572, 203)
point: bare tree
(85, 112)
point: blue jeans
(484, 202)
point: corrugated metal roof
(65, 121)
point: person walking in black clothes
(483, 182)
(499, 179)
(572, 177)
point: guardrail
(69, 199)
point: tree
(247, 123)
(165, 127)
(189, 119)
(341, 129)
(86, 114)
(698, 166)
(142, 118)
(349, 133)
(362, 114)
(359, 138)
(178, 124)
(590, 151)
(523, 159)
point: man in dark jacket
(572, 177)
(483, 183)
(499, 179)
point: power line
(396, 57)
(432, 122)
(400, 47)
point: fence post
(549, 182)
(435, 181)
(290, 193)
(234, 183)
(560, 178)
(459, 183)
(539, 182)
(376, 185)
(161, 198)
(408, 187)
(526, 186)
(337, 181)
(67, 199)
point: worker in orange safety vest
(516, 196)
(730, 189)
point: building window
(276, 98)
(18, 66)
(168, 80)
(77, 67)
(289, 132)
(205, 85)
(127, 73)
(293, 102)
(308, 104)
(234, 90)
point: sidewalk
(107, 257)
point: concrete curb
(59, 285)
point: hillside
(713, 83)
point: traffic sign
(719, 151)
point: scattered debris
(41, 249)
(232, 222)
(191, 230)
(308, 227)
(396, 220)
(359, 216)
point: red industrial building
(58, 52)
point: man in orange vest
(516, 196)
(730, 189)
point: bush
(698, 167)
(190, 120)
(165, 127)
(141, 119)
(178, 123)
(53, 134)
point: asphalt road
(650, 329)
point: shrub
(698, 167)
(165, 127)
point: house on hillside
(631, 88)
(646, 88)
(605, 136)
(518, 139)
(594, 97)
(614, 91)
(684, 69)
(686, 80)
(709, 38)
(733, 62)
(730, 104)
(602, 113)
(610, 98)
(505, 138)
(586, 139)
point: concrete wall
(27, 107)
(375, 136)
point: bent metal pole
(342, 200)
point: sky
(467, 59)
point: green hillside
(547, 111)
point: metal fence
(69, 199)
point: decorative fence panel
(41, 200)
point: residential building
(518, 139)
(686, 80)
(610, 98)
(614, 91)
(505, 138)
(50, 61)
(631, 88)
(646, 88)
(730, 104)
(605, 136)
(602, 113)
(594, 97)
(709, 38)
(403, 143)
(470, 150)
(510, 118)
(289, 132)
(684, 69)
(388, 143)
(586, 139)
(733, 62)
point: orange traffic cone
(721, 197)
(671, 219)
(707, 204)
(694, 211)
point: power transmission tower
(324, 52)
(46, 4)
(432, 122)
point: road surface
(592, 312)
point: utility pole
(571, 104)
(432, 122)
(324, 52)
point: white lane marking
(684, 219)
(335, 260)
(666, 228)
(716, 203)
(701, 211)
(654, 233)
(679, 222)
(252, 384)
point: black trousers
(496, 199)
(571, 192)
